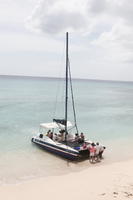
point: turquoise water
(104, 113)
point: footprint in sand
(103, 194)
(127, 194)
(115, 194)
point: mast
(66, 92)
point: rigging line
(73, 104)
(66, 89)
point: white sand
(114, 181)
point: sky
(32, 38)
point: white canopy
(55, 125)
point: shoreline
(16, 175)
(96, 183)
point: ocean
(104, 113)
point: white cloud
(58, 16)
(117, 40)
(97, 7)
(103, 50)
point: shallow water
(104, 113)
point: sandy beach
(107, 182)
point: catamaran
(55, 137)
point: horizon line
(53, 77)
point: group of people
(95, 151)
(79, 138)
(56, 137)
(60, 137)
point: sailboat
(61, 142)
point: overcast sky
(32, 38)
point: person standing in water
(92, 150)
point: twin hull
(67, 153)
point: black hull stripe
(56, 148)
(55, 152)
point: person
(76, 137)
(55, 137)
(98, 147)
(41, 135)
(102, 148)
(48, 133)
(92, 151)
(51, 135)
(81, 138)
(84, 145)
(61, 136)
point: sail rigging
(72, 95)
(66, 93)
(68, 86)
(73, 148)
(68, 77)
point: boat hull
(62, 152)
